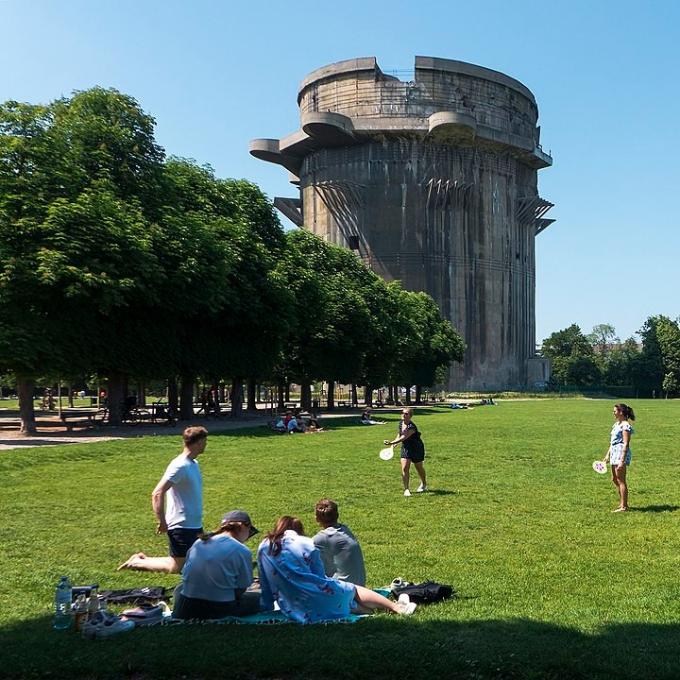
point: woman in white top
(217, 572)
(619, 454)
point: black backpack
(424, 593)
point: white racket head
(600, 467)
(387, 453)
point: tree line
(120, 262)
(648, 368)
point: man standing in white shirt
(177, 502)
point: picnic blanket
(259, 619)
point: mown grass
(551, 584)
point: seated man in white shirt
(340, 551)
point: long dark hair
(274, 537)
(626, 410)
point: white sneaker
(104, 624)
(407, 492)
(404, 605)
(421, 488)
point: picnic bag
(424, 593)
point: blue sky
(217, 74)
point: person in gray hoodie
(340, 551)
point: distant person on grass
(340, 551)
(412, 451)
(177, 502)
(619, 453)
(217, 573)
(292, 575)
(367, 418)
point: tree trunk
(25, 389)
(141, 394)
(354, 399)
(186, 397)
(173, 397)
(116, 398)
(331, 395)
(368, 395)
(407, 395)
(418, 394)
(305, 395)
(70, 395)
(252, 395)
(287, 391)
(390, 394)
(280, 395)
(236, 397)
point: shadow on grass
(381, 647)
(655, 508)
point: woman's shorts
(417, 456)
(615, 457)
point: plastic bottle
(80, 611)
(62, 604)
(93, 605)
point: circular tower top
(448, 101)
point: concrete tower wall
(432, 182)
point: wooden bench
(79, 417)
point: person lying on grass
(181, 518)
(367, 418)
(217, 572)
(292, 575)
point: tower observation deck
(433, 182)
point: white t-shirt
(184, 499)
(215, 568)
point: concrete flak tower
(433, 182)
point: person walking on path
(177, 503)
(412, 451)
(340, 551)
(619, 454)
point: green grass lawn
(550, 583)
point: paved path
(12, 439)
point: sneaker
(404, 605)
(421, 488)
(407, 492)
(145, 615)
(105, 624)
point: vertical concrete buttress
(433, 182)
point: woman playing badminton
(412, 451)
(619, 453)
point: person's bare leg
(615, 480)
(420, 468)
(140, 562)
(369, 601)
(405, 475)
(623, 489)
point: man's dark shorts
(181, 540)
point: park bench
(71, 418)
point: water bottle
(62, 604)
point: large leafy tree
(573, 358)
(429, 343)
(78, 180)
(331, 324)
(226, 240)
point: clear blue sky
(217, 74)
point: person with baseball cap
(217, 573)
